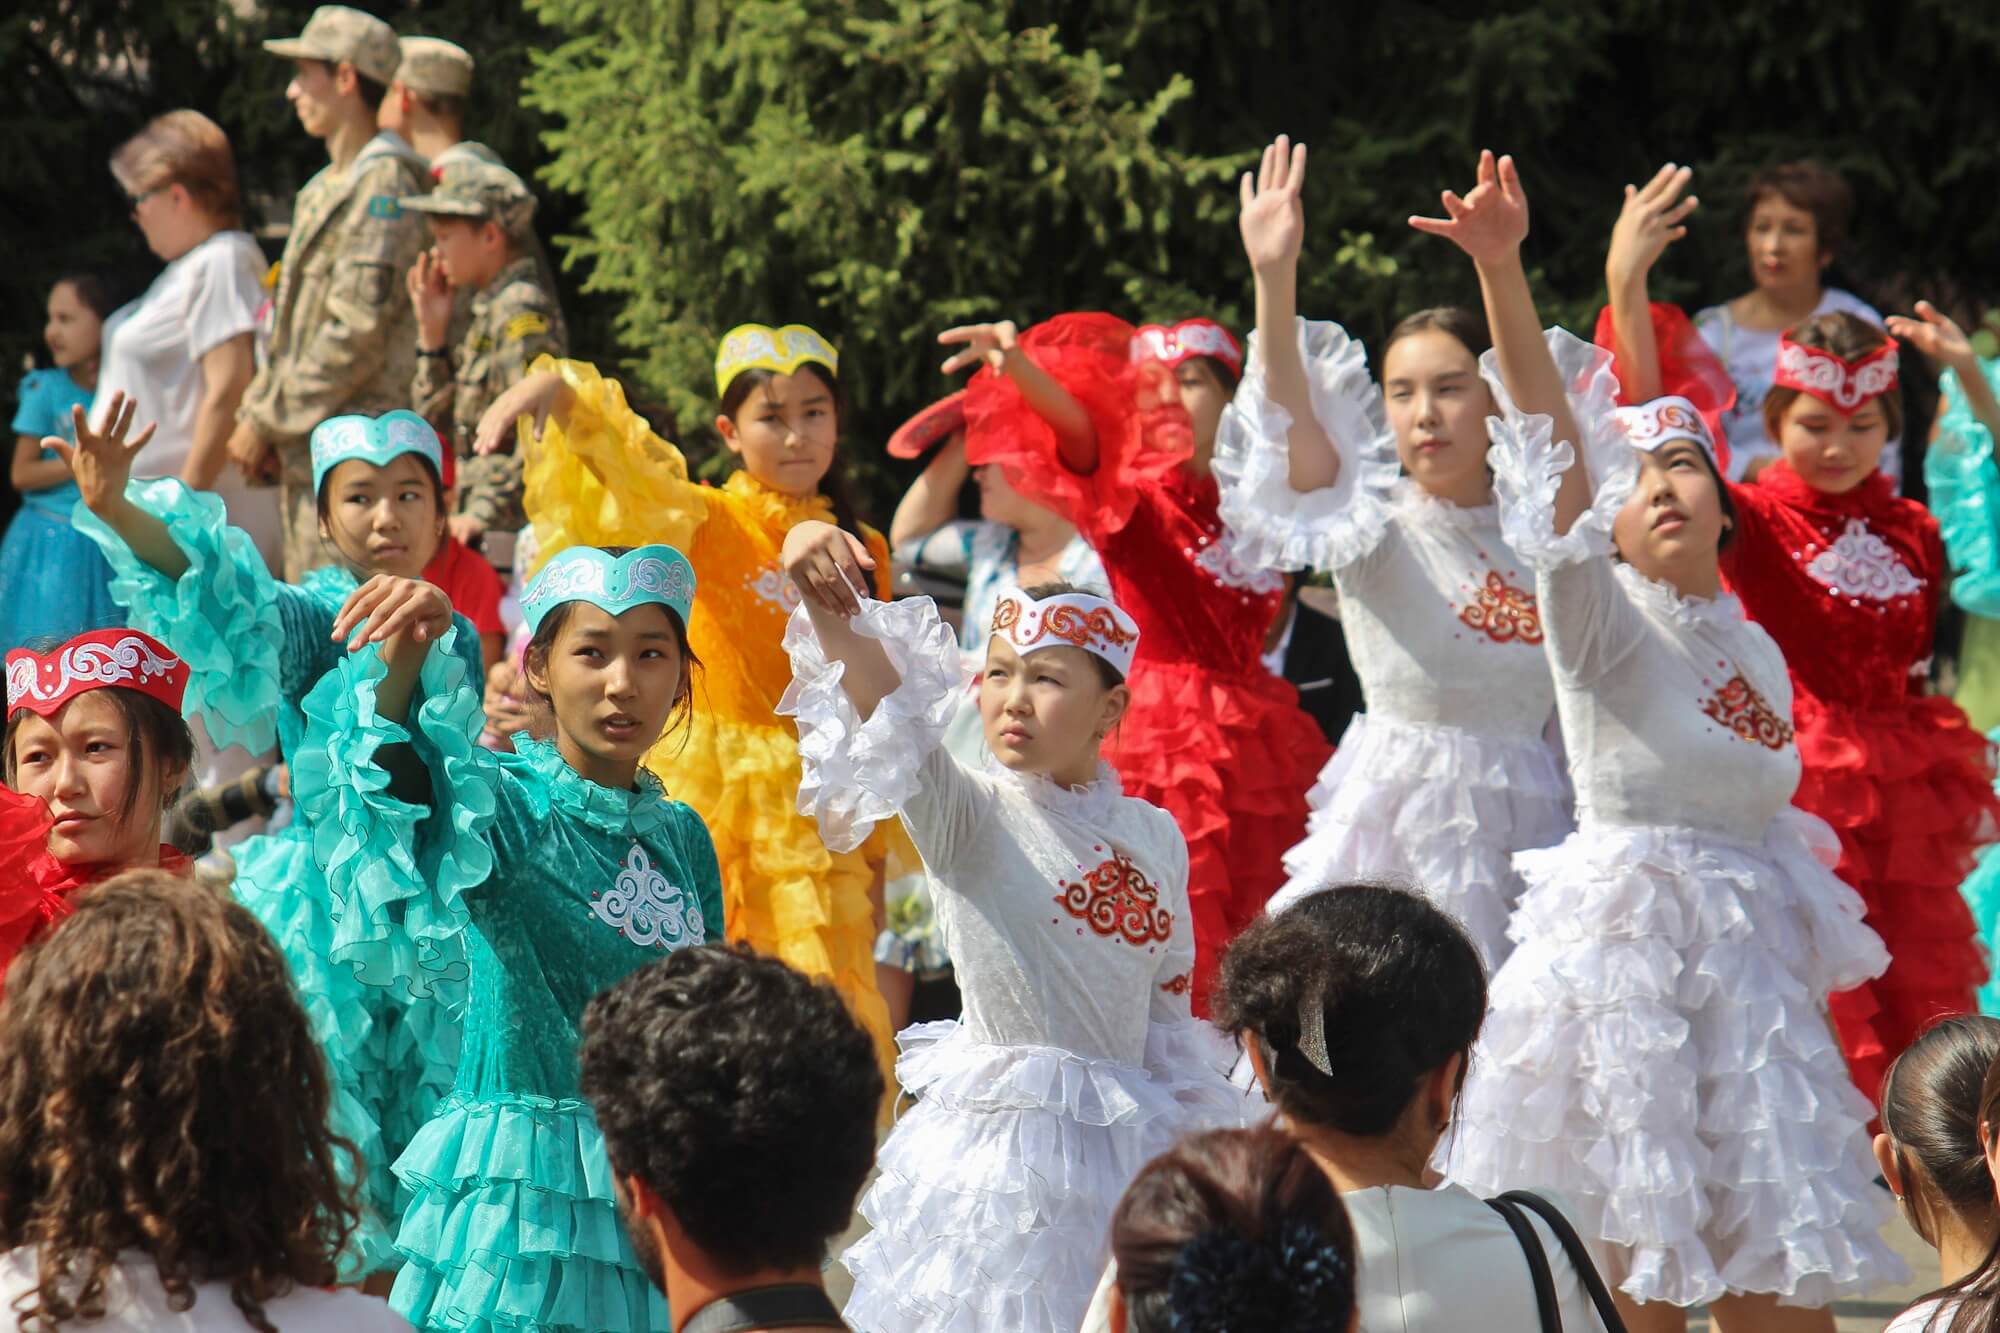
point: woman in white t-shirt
(1357, 1008)
(183, 351)
(1799, 212)
(162, 1100)
(1940, 1101)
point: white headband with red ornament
(1067, 620)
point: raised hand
(101, 459)
(1272, 219)
(1651, 220)
(986, 344)
(537, 397)
(1938, 337)
(827, 564)
(430, 297)
(1491, 221)
(404, 615)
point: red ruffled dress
(36, 890)
(1849, 587)
(1211, 736)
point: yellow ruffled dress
(608, 480)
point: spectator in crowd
(1233, 1229)
(481, 219)
(53, 583)
(164, 1154)
(1939, 1105)
(425, 104)
(1798, 218)
(737, 1099)
(343, 340)
(1358, 1008)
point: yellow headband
(761, 347)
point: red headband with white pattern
(1845, 386)
(101, 659)
(1067, 620)
(1173, 344)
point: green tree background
(884, 168)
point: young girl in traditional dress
(1447, 774)
(254, 646)
(1847, 577)
(95, 752)
(1063, 904)
(1656, 1051)
(596, 474)
(1114, 428)
(565, 867)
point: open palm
(101, 459)
(1935, 334)
(1272, 220)
(1490, 221)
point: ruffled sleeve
(1965, 496)
(401, 871)
(221, 616)
(1276, 526)
(1529, 463)
(854, 774)
(606, 479)
(1143, 437)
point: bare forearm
(1529, 372)
(1314, 463)
(869, 676)
(1979, 397)
(147, 537)
(35, 473)
(1076, 437)
(932, 499)
(213, 421)
(1638, 349)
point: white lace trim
(1088, 804)
(1861, 564)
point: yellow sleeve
(606, 479)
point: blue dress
(1965, 496)
(53, 581)
(560, 888)
(384, 1010)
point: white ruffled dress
(1447, 773)
(1657, 1048)
(1065, 912)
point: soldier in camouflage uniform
(480, 215)
(342, 338)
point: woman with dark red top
(1113, 428)
(96, 749)
(1847, 576)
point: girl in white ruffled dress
(1657, 1049)
(1064, 906)
(1447, 774)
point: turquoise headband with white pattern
(378, 440)
(656, 575)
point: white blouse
(134, 1300)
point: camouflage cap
(335, 33)
(433, 67)
(478, 190)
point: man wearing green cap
(342, 340)
(479, 215)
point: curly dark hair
(1400, 986)
(742, 1094)
(160, 1091)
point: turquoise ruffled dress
(1965, 496)
(559, 887)
(384, 1011)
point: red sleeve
(470, 583)
(1143, 435)
(1688, 367)
(27, 872)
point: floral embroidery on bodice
(1737, 705)
(1117, 901)
(1218, 560)
(1503, 612)
(770, 585)
(647, 909)
(1861, 564)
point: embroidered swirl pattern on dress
(771, 584)
(1860, 564)
(1503, 612)
(131, 660)
(647, 910)
(1071, 624)
(1179, 985)
(1219, 561)
(1116, 901)
(1738, 706)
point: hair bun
(1294, 1281)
